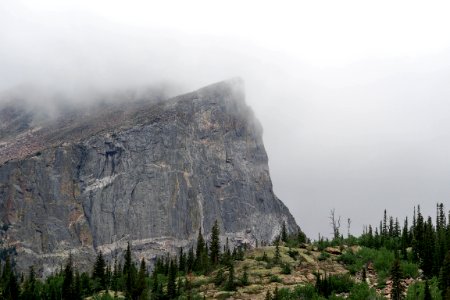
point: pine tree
(276, 294)
(215, 244)
(230, 285)
(384, 231)
(396, 275)
(444, 277)
(190, 260)
(404, 240)
(115, 276)
(182, 260)
(68, 282)
(12, 291)
(284, 235)
(200, 252)
(426, 292)
(364, 274)
(244, 279)
(268, 295)
(226, 257)
(219, 278)
(78, 290)
(129, 272)
(98, 274)
(277, 257)
(141, 285)
(29, 290)
(171, 284)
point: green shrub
(323, 256)
(409, 269)
(293, 254)
(304, 292)
(286, 269)
(362, 291)
(341, 283)
(219, 278)
(347, 258)
(415, 290)
(275, 278)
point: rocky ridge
(152, 174)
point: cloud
(352, 96)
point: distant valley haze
(353, 96)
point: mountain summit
(149, 173)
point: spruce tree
(182, 260)
(98, 274)
(277, 257)
(230, 285)
(268, 295)
(396, 275)
(141, 285)
(215, 244)
(29, 289)
(276, 294)
(200, 252)
(444, 277)
(12, 290)
(68, 282)
(284, 235)
(129, 272)
(426, 292)
(190, 260)
(171, 284)
(244, 279)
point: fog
(353, 96)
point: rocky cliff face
(152, 176)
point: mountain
(152, 173)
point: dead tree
(335, 223)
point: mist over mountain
(150, 172)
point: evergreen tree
(444, 277)
(215, 244)
(12, 291)
(404, 240)
(9, 282)
(29, 289)
(156, 291)
(268, 295)
(276, 294)
(68, 282)
(141, 285)
(426, 292)
(230, 285)
(200, 252)
(244, 279)
(115, 276)
(182, 260)
(219, 278)
(226, 257)
(277, 257)
(190, 260)
(284, 235)
(171, 284)
(427, 248)
(396, 275)
(78, 290)
(99, 274)
(128, 261)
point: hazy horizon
(353, 97)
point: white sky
(353, 95)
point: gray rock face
(155, 179)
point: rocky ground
(265, 277)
